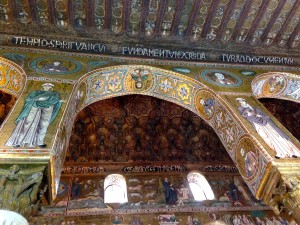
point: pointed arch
(200, 187)
(218, 111)
(115, 189)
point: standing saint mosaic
(40, 109)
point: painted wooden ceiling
(215, 24)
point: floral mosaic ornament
(247, 158)
(53, 65)
(221, 78)
(204, 104)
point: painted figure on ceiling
(40, 109)
(170, 192)
(277, 140)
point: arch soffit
(187, 92)
(12, 77)
(278, 85)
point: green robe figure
(40, 109)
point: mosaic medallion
(139, 79)
(204, 104)
(53, 65)
(221, 78)
(247, 158)
(275, 85)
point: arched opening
(115, 189)
(200, 187)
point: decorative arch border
(277, 85)
(12, 77)
(120, 80)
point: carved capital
(286, 197)
(20, 188)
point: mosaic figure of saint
(55, 66)
(170, 192)
(221, 79)
(208, 105)
(276, 139)
(40, 109)
(250, 162)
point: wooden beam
(32, 6)
(144, 14)
(159, 17)
(241, 19)
(272, 20)
(177, 16)
(126, 15)
(51, 5)
(293, 35)
(89, 4)
(261, 12)
(226, 18)
(108, 14)
(193, 18)
(289, 18)
(212, 11)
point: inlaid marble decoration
(220, 78)
(55, 65)
(204, 104)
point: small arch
(199, 186)
(115, 189)
(278, 85)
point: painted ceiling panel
(188, 23)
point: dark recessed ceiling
(213, 24)
(143, 129)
